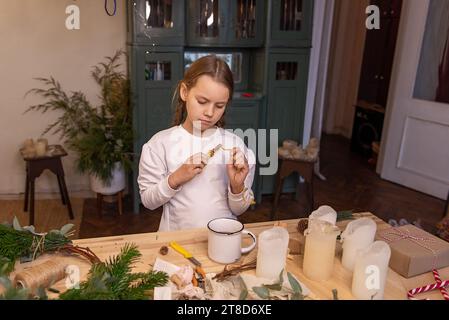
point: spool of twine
(43, 275)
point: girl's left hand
(237, 170)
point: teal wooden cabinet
(244, 114)
(156, 22)
(155, 75)
(266, 43)
(158, 74)
(288, 71)
(291, 23)
(238, 23)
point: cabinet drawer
(242, 115)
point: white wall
(36, 43)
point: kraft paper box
(413, 250)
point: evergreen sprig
(345, 215)
(24, 243)
(114, 280)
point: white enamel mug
(225, 240)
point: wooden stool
(286, 168)
(34, 168)
(119, 202)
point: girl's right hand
(192, 167)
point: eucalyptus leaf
(5, 282)
(41, 294)
(262, 292)
(297, 296)
(29, 228)
(274, 286)
(345, 215)
(16, 224)
(66, 228)
(294, 283)
(243, 294)
(242, 283)
(281, 277)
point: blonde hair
(209, 65)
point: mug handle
(250, 247)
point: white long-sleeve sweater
(207, 196)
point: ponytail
(180, 106)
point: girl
(197, 170)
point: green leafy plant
(114, 280)
(101, 136)
(272, 291)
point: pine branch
(114, 279)
(24, 243)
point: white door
(415, 147)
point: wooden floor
(351, 184)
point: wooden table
(195, 241)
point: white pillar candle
(370, 271)
(359, 234)
(272, 252)
(41, 148)
(325, 213)
(319, 252)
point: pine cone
(302, 225)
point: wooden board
(195, 241)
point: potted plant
(101, 136)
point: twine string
(40, 276)
(38, 244)
(420, 241)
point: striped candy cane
(438, 285)
(443, 290)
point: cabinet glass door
(161, 72)
(159, 21)
(291, 22)
(206, 22)
(159, 13)
(247, 17)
